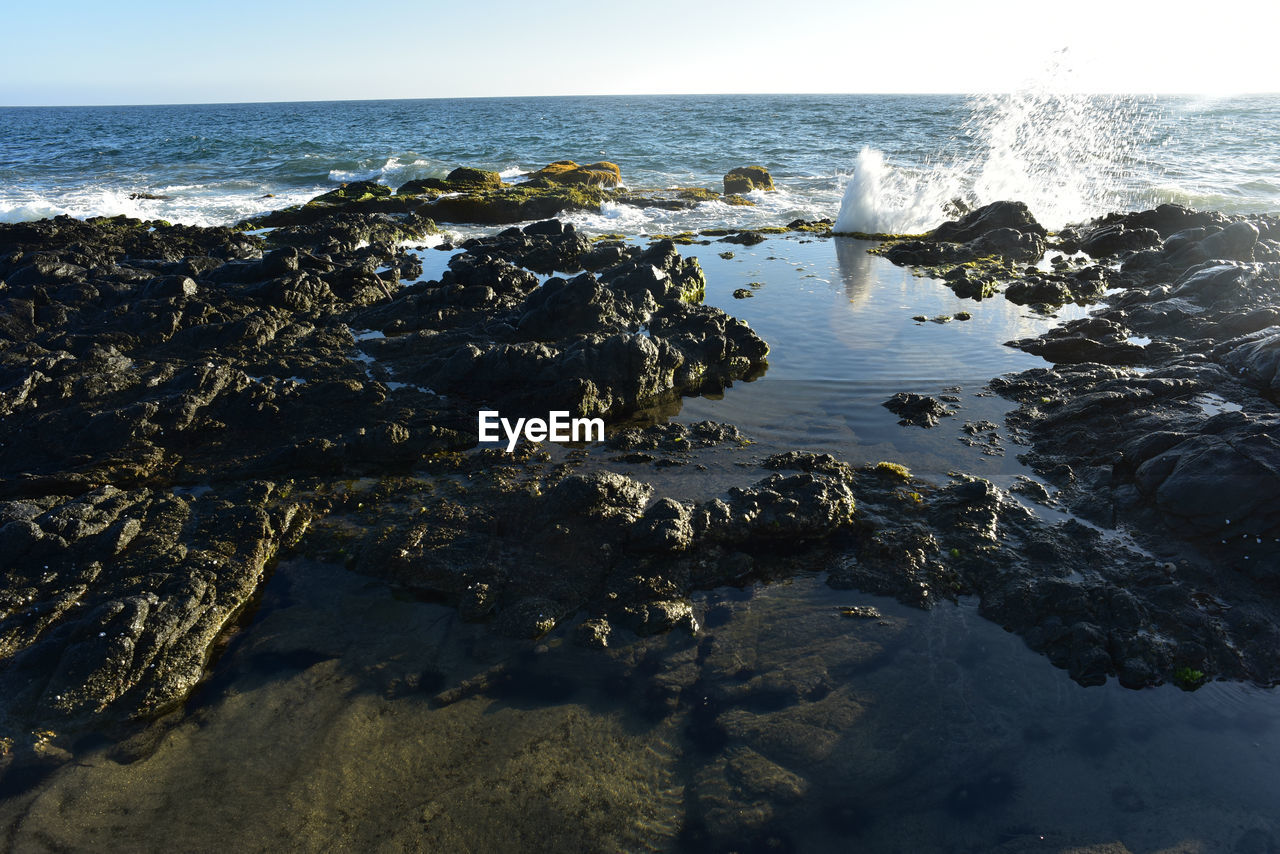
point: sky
(78, 52)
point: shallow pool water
(843, 339)
(782, 724)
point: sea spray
(880, 198)
(1068, 157)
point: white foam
(19, 212)
(392, 171)
(616, 217)
(212, 206)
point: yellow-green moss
(894, 471)
(569, 173)
(744, 179)
(883, 237)
(684, 238)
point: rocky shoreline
(183, 406)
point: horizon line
(631, 95)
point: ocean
(1067, 157)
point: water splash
(881, 198)
(1069, 157)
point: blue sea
(1068, 157)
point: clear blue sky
(103, 52)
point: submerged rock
(591, 542)
(917, 409)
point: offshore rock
(568, 173)
(473, 179)
(518, 203)
(744, 179)
(466, 195)
(675, 199)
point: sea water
(1067, 156)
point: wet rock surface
(1001, 229)
(593, 343)
(916, 409)
(1159, 414)
(180, 402)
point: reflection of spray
(1066, 156)
(857, 270)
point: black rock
(997, 215)
(916, 409)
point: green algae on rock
(569, 173)
(744, 179)
(519, 203)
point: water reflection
(840, 324)
(350, 718)
(856, 268)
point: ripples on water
(219, 161)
